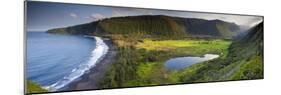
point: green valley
(80, 47)
(142, 64)
(145, 43)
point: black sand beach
(91, 79)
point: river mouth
(184, 62)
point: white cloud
(73, 15)
(116, 13)
(238, 19)
(97, 16)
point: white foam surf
(97, 54)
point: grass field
(189, 47)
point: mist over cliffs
(248, 46)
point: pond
(183, 62)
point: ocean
(53, 60)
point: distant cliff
(244, 60)
(157, 25)
(248, 51)
(248, 45)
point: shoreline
(97, 54)
(91, 79)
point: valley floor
(141, 62)
(135, 62)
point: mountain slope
(84, 29)
(156, 26)
(210, 27)
(243, 61)
(250, 50)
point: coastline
(97, 54)
(90, 80)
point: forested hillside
(243, 61)
(157, 26)
(250, 49)
(83, 29)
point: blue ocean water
(52, 58)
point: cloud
(97, 16)
(115, 13)
(254, 21)
(130, 12)
(145, 11)
(73, 15)
(244, 20)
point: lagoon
(184, 62)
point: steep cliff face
(248, 51)
(244, 60)
(248, 45)
(210, 27)
(83, 29)
(157, 25)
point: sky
(42, 16)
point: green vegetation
(250, 70)
(157, 26)
(83, 29)
(225, 31)
(189, 46)
(144, 43)
(243, 61)
(33, 87)
(150, 25)
(149, 44)
(141, 62)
